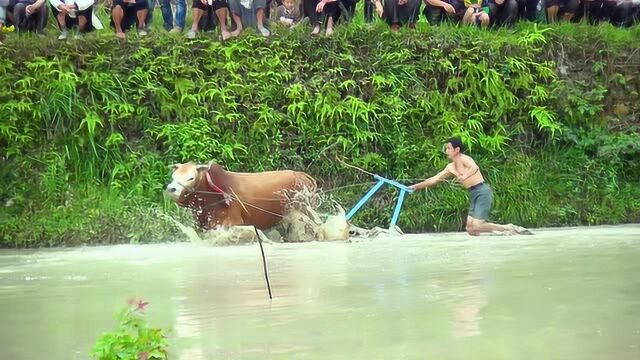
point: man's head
(290, 4)
(454, 147)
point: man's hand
(448, 8)
(402, 2)
(29, 9)
(320, 7)
(379, 8)
(499, 2)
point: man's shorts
(215, 5)
(130, 12)
(481, 198)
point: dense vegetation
(88, 127)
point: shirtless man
(468, 174)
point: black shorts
(215, 5)
(560, 3)
(459, 7)
(71, 22)
(130, 12)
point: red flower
(142, 305)
(143, 356)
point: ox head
(185, 177)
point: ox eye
(190, 179)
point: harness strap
(216, 188)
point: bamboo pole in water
(264, 262)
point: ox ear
(174, 166)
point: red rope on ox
(216, 188)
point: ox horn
(203, 166)
(174, 166)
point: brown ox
(220, 197)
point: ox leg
(233, 217)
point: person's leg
(260, 6)
(20, 17)
(3, 18)
(433, 14)
(332, 14)
(570, 9)
(197, 11)
(84, 20)
(41, 19)
(483, 20)
(468, 17)
(481, 198)
(476, 227)
(314, 17)
(531, 9)
(141, 9)
(117, 18)
(368, 11)
(411, 13)
(61, 18)
(221, 13)
(234, 8)
(390, 14)
(181, 15)
(609, 11)
(167, 14)
(552, 10)
(197, 16)
(151, 5)
(508, 13)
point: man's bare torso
(458, 168)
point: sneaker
(264, 31)
(63, 35)
(191, 34)
(142, 32)
(77, 36)
(175, 30)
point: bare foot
(519, 230)
(329, 30)
(121, 35)
(225, 35)
(316, 30)
(236, 32)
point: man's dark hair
(457, 143)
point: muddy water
(560, 294)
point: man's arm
(432, 180)
(38, 4)
(471, 166)
(439, 3)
